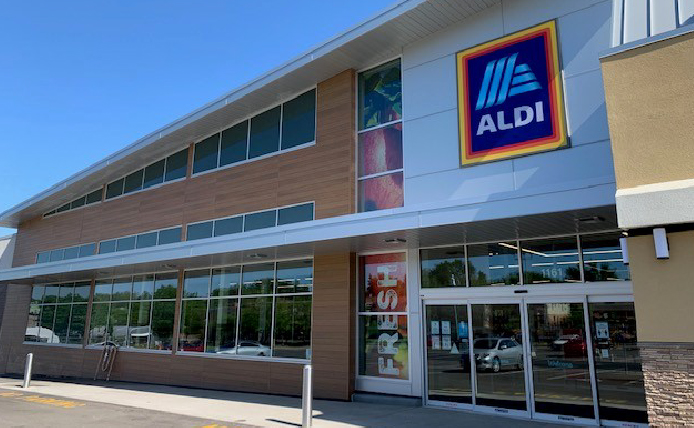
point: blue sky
(81, 79)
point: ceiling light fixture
(257, 256)
(395, 240)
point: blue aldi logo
(510, 97)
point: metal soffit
(366, 44)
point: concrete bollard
(27, 370)
(307, 398)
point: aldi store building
(423, 206)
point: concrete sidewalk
(258, 409)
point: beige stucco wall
(650, 109)
(663, 289)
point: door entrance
(529, 357)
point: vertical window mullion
(219, 149)
(238, 309)
(248, 139)
(279, 142)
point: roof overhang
(375, 40)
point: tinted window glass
(234, 144)
(602, 258)
(133, 181)
(228, 226)
(225, 281)
(102, 290)
(65, 293)
(303, 212)
(82, 290)
(205, 156)
(107, 246)
(154, 174)
(292, 333)
(258, 279)
(87, 250)
(192, 335)
(71, 253)
(122, 288)
(143, 287)
(199, 231)
(255, 325)
(56, 255)
(37, 294)
(443, 267)
(176, 165)
(165, 285)
(114, 188)
(63, 208)
(260, 220)
(299, 120)
(145, 240)
(124, 244)
(221, 326)
(77, 321)
(169, 236)
(77, 203)
(162, 325)
(51, 294)
(99, 323)
(196, 283)
(43, 257)
(294, 276)
(265, 133)
(493, 264)
(551, 260)
(93, 197)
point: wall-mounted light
(625, 250)
(662, 251)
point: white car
(248, 347)
(494, 353)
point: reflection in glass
(193, 313)
(221, 326)
(143, 287)
(47, 317)
(176, 165)
(77, 321)
(225, 281)
(196, 283)
(62, 320)
(82, 290)
(165, 285)
(621, 393)
(255, 326)
(99, 323)
(169, 236)
(146, 240)
(33, 329)
(205, 155)
(261, 220)
(258, 279)
(295, 276)
(493, 264)
(295, 214)
(561, 374)
(381, 192)
(65, 293)
(292, 334)
(163, 314)
(228, 226)
(443, 267)
(125, 244)
(107, 246)
(102, 290)
(299, 120)
(139, 324)
(199, 231)
(118, 323)
(448, 354)
(383, 346)
(497, 345)
(550, 260)
(602, 258)
(234, 142)
(51, 294)
(37, 294)
(265, 133)
(122, 288)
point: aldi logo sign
(510, 99)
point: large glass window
(114, 188)
(199, 230)
(383, 349)
(295, 214)
(154, 174)
(380, 95)
(57, 313)
(551, 260)
(230, 310)
(234, 146)
(493, 264)
(602, 258)
(265, 133)
(299, 120)
(227, 226)
(133, 181)
(205, 156)
(134, 311)
(443, 267)
(176, 165)
(261, 220)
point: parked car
(572, 345)
(495, 353)
(248, 347)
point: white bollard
(307, 398)
(27, 370)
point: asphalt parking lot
(20, 409)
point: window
(169, 236)
(299, 120)
(199, 231)
(114, 188)
(176, 165)
(125, 244)
(379, 145)
(265, 133)
(493, 264)
(295, 214)
(65, 253)
(71, 253)
(443, 267)
(205, 156)
(56, 255)
(77, 203)
(134, 312)
(133, 182)
(87, 250)
(260, 220)
(143, 240)
(146, 240)
(383, 349)
(602, 258)
(230, 310)
(43, 257)
(234, 144)
(551, 260)
(57, 313)
(107, 246)
(228, 226)
(94, 197)
(154, 174)
(83, 200)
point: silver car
(495, 353)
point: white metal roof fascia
(236, 94)
(335, 228)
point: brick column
(668, 371)
(333, 331)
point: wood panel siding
(324, 173)
(333, 332)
